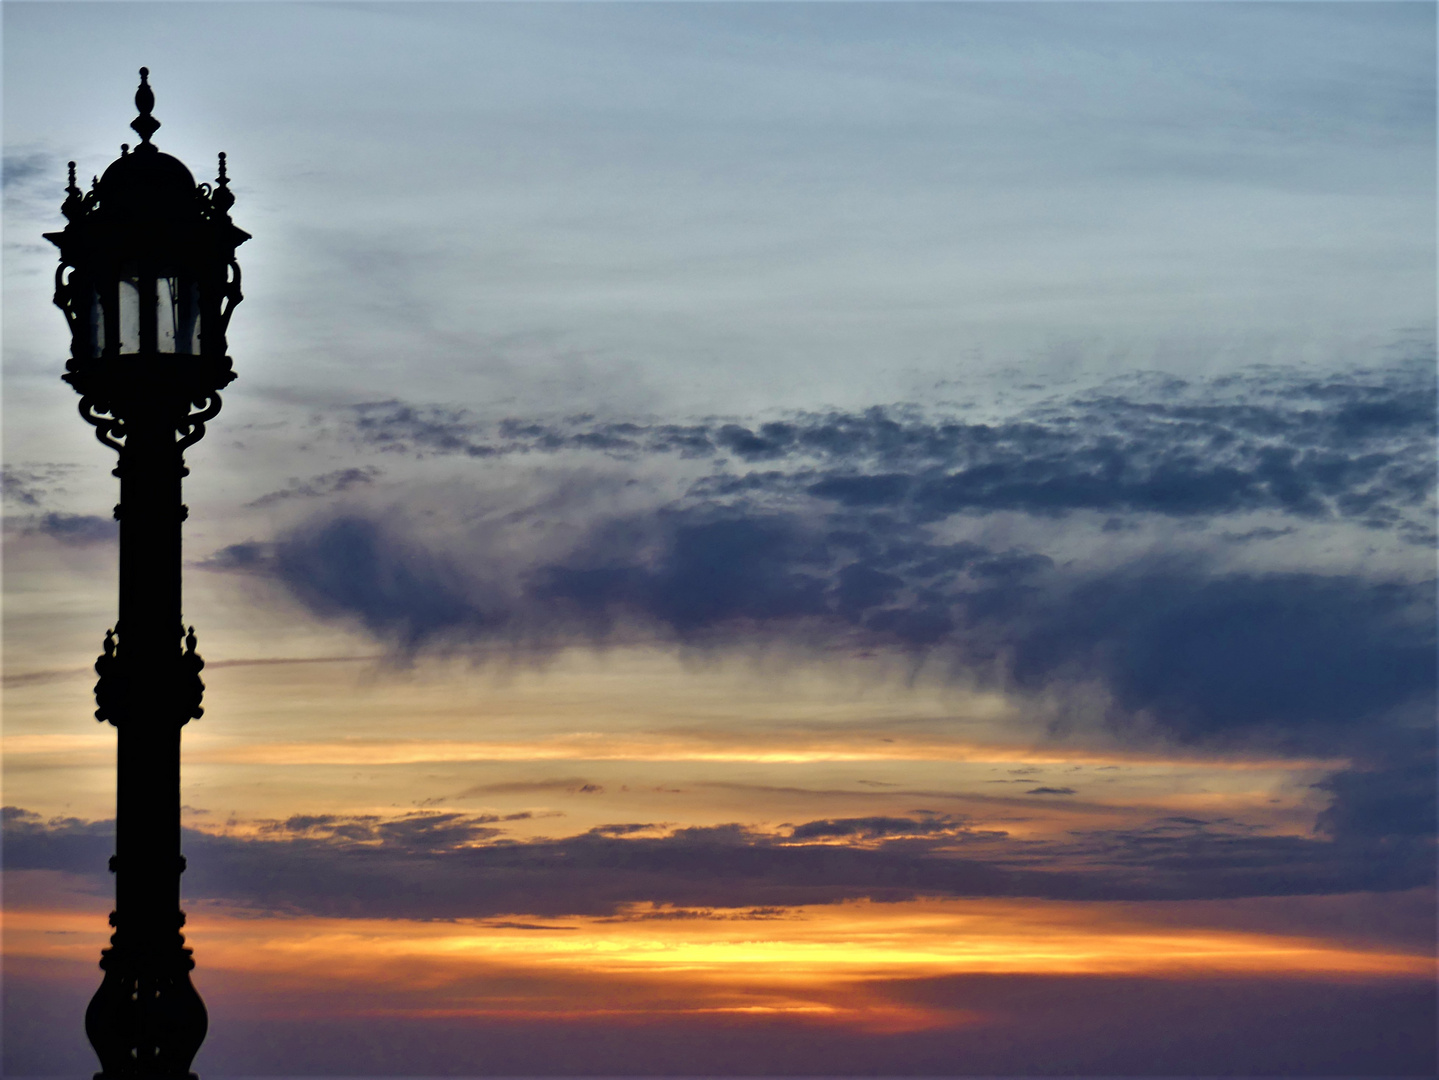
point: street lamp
(147, 281)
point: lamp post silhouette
(147, 281)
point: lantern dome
(145, 180)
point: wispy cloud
(33, 484)
(449, 865)
(76, 530)
(330, 483)
(1352, 447)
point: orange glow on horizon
(602, 746)
(820, 963)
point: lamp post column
(146, 1019)
(147, 281)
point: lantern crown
(147, 269)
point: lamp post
(147, 281)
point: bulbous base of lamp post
(146, 1020)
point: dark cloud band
(1357, 447)
(445, 865)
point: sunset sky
(797, 538)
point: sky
(760, 539)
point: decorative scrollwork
(232, 295)
(64, 293)
(192, 428)
(112, 692)
(190, 691)
(108, 429)
(118, 695)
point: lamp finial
(71, 206)
(145, 125)
(223, 198)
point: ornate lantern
(147, 281)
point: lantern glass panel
(92, 325)
(129, 315)
(177, 316)
(165, 314)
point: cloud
(851, 537)
(25, 167)
(1303, 661)
(521, 787)
(34, 185)
(57, 843)
(249, 555)
(33, 485)
(417, 832)
(1261, 533)
(325, 484)
(355, 567)
(704, 572)
(1290, 662)
(1392, 798)
(623, 829)
(871, 828)
(447, 865)
(673, 914)
(1353, 447)
(77, 530)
